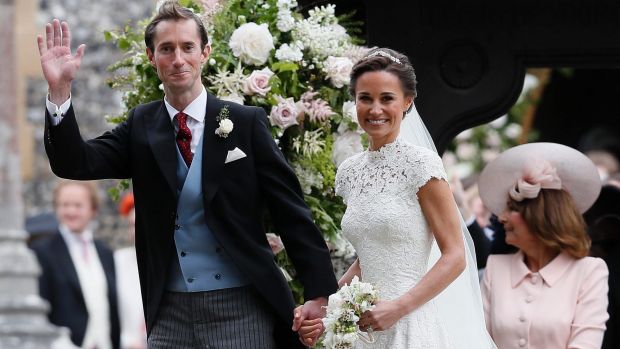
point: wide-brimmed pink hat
(527, 168)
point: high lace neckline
(384, 150)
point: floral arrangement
(344, 309)
(266, 53)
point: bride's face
(380, 103)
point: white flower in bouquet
(284, 115)
(291, 53)
(233, 97)
(338, 70)
(343, 312)
(252, 43)
(258, 82)
(346, 145)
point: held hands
(307, 320)
(384, 315)
(58, 65)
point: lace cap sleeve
(426, 166)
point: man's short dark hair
(171, 10)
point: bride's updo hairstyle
(385, 59)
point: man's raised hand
(58, 64)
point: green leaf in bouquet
(284, 66)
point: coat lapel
(64, 259)
(160, 133)
(214, 151)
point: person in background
(549, 294)
(478, 230)
(131, 313)
(78, 277)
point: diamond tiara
(386, 55)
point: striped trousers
(235, 318)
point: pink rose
(258, 82)
(284, 115)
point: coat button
(190, 280)
(183, 254)
(522, 318)
(529, 299)
(218, 276)
(177, 227)
(522, 342)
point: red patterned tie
(184, 138)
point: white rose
(235, 98)
(226, 126)
(252, 43)
(284, 115)
(258, 82)
(338, 70)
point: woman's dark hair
(171, 10)
(385, 59)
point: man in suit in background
(203, 171)
(78, 276)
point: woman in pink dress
(549, 294)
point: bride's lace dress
(385, 224)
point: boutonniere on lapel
(226, 126)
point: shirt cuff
(57, 113)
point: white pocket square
(234, 155)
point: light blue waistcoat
(200, 263)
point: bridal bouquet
(344, 309)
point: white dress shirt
(131, 314)
(94, 287)
(196, 111)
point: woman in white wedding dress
(399, 204)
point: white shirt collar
(72, 238)
(196, 109)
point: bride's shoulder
(349, 162)
(418, 155)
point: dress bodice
(384, 220)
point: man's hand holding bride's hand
(383, 316)
(307, 320)
(310, 331)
